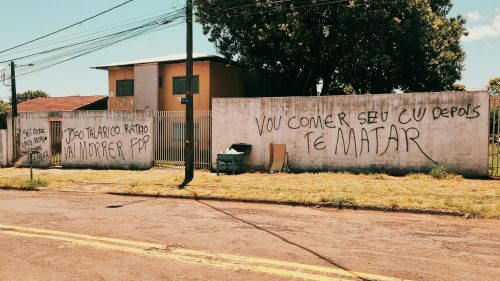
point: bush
(439, 172)
(34, 184)
(340, 201)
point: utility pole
(189, 145)
(14, 107)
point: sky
(28, 19)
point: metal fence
(494, 138)
(169, 138)
(55, 143)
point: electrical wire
(58, 59)
(65, 28)
(90, 32)
(60, 54)
(75, 44)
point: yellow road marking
(83, 236)
(226, 261)
(290, 264)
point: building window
(179, 85)
(124, 88)
(180, 132)
(160, 82)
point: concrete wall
(146, 87)
(33, 132)
(3, 148)
(9, 142)
(395, 132)
(107, 139)
(227, 81)
(169, 101)
(114, 102)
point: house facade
(159, 83)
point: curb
(301, 204)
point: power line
(292, 7)
(60, 54)
(70, 55)
(89, 32)
(77, 43)
(67, 27)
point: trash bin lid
(242, 147)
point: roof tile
(57, 103)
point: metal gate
(494, 138)
(169, 138)
(55, 143)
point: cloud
(479, 32)
(474, 16)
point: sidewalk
(475, 197)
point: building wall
(395, 133)
(227, 81)
(114, 102)
(146, 87)
(216, 80)
(33, 132)
(170, 102)
(3, 148)
(107, 139)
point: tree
(494, 86)
(5, 110)
(29, 95)
(371, 46)
(458, 87)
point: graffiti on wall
(121, 142)
(35, 140)
(367, 132)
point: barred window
(124, 88)
(179, 85)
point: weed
(439, 172)
(379, 177)
(394, 204)
(340, 201)
(34, 184)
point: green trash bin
(233, 163)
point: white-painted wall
(33, 133)
(394, 132)
(146, 87)
(107, 139)
(3, 148)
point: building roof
(58, 103)
(179, 58)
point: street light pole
(189, 145)
(14, 107)
(13, 87)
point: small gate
(494, 138)
(169, 138)
(55, 143)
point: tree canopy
(369, 46)
(494, 86)
(4, 113)
(458, 87)
(29, 95)
(6, 108)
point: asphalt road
(84, 236)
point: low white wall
(33, 132)
(107, 139)
(3, 148)
(394, 132)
